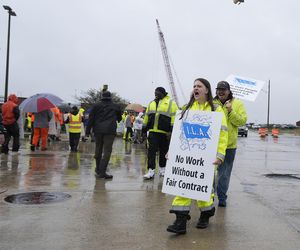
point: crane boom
(167, 63)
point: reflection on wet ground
(57, 167)
(270, 168)
(130, 213)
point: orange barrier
(263, 132)
(275, 132)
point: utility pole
(10, 13)
(268, 116)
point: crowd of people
(45, 126)
(154, 127)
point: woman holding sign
(201, 99)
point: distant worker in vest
(28, 120)
(41, 128)
(129, 125)
(74, 120)
(124, 115)
(58, 122)
(103, 120)
(10, 115)
(158, 121)
(31, 119)
(236, 116)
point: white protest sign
(244, 88)
(193, 149)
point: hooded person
(138, 126)
(10, 116)
(103, 120)
(52, 125)
(82, 112)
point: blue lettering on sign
(192, 131)
(245, 81)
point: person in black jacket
(103, 121)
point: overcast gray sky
(69, 46)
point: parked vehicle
(243, 131)
(256, 126)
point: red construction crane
(167, 63)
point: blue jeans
(224, 173)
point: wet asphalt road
(269, 170)
(129, 213)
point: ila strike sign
(193, 149)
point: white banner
(193, 149)
(245, 88)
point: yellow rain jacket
(183, 204)
(160, 118)
(236, 118)
(223, 139)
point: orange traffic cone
(275, 132)
(263, 132)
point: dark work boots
(204, 218)
(179, 225)
(101, 171)
(104, 176)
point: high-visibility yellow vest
(75, 123)
(123, 117)
(29, 122)
(160, 117)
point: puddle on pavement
(2, 190)
(289, 176)
(41, 155)
(37, 198)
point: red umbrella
(40, 102)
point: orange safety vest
(61, 118)
(55, 113)
(75, 123)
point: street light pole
(10, 13)
(268, 116)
